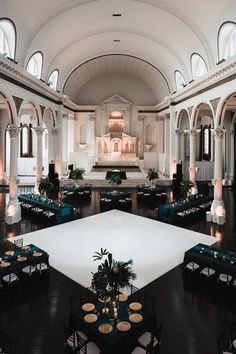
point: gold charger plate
(9, 253)
(122, 297)
(104, 299)
(5, 264)
(105, 328)
(123, 326)
(37, 254)
(136, 318)
(21, 259)
(88, 307)
(135, 306)
(90, 318)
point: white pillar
(39, 156)
(2, 159)
(141, 135)
(231, 174)
(218, 208)
(177, 144)
(13, 212)
(192, 160)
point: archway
(182, 140)
(49, 143)
(203, 123)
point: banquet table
(13, 260)
(208, 256)
(63, 212)
(115, 342)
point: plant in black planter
(152, 175)
(78, 173)
(45, 186)
(111, 275)
(114, 180)
(185, 188)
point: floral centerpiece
(111, 275)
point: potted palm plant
(186, 188)
(114, 180)
(45, 186)
(152, 174)
(111, 275)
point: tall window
(34, 66)
(198, 66)
(26, 141)
(179, 79)
(7, 38)
(227, 40)
(52, 81)
(206, 142)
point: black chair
(5, 343)
(75, 301)
(151, 340)
(18, 243)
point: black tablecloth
(115, 342)
(121, 174)
(207, 256)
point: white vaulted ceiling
(163, 33)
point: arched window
(179, 79)
(52, 81)
(227, 40)
(198, 66)
(7, 38)
(206, 142)
(26, 141)
(34, 66)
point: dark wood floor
(193, 314)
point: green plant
(77, 173)
(45, 185)
(114, 179)
(152, 174)
(185, 188)
(111, 275)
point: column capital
(92, 117)
(193, 132)
(54, 131)
(178, 131)
(167, 115)
(218, 133)
(13, 131)
(141, 117)
(39, 131)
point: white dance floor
(155, 247)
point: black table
(121, 174)
(63, 212)
(209, 256)
(33, 255)
(115, 342)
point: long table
(168, 212)
(221, 261)
(15, 258)
(115, 342)
(63, 212)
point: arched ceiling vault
(163, 32)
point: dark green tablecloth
(115, 342)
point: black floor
(193, 313)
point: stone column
(13, 212)
(39, 155)
(218, 208)
(192, 160)
(177, 145)
(2, 153)
(141, 135)
(232, 157)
